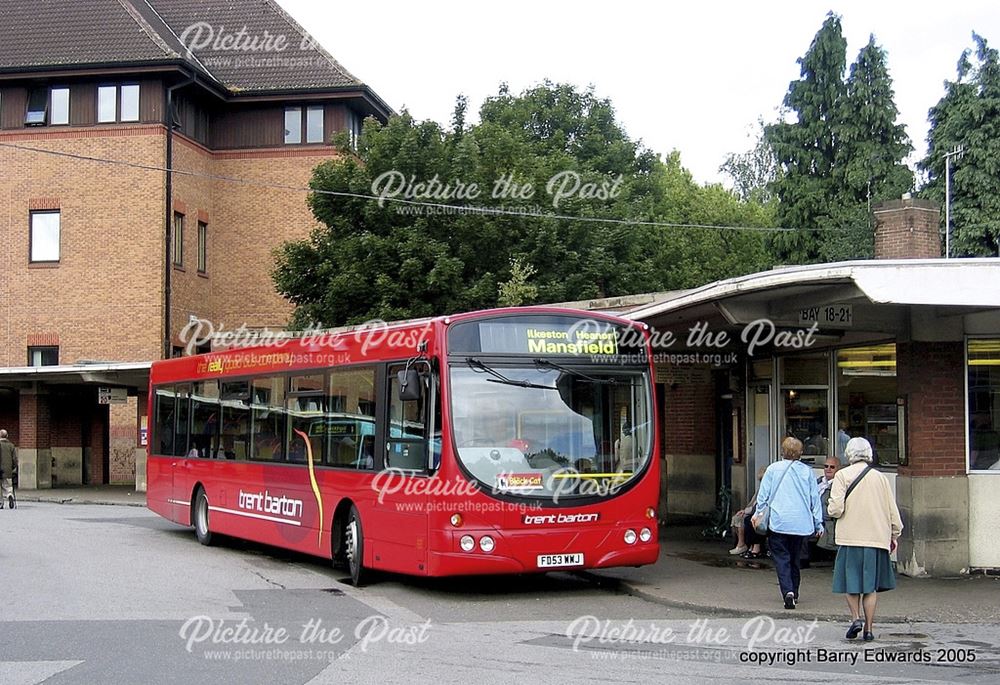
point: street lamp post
(956, 153)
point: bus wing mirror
(410, 385)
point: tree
(969, 115)
(687, 258)
(843, 152)
(753, 172)
(387, 260)
(540, 157)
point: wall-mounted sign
(828, 315)
(112, 396)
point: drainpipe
(168, 261)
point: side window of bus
(235, 427)
(305, 404)
(409, 438)
(349, 422)
(205, 419)
(166, 417)
(268, 418)
(182, 428)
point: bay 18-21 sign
(828, 315)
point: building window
(866, 401)
(60, 106)
(983, 357)
(293, 125)
(805, 403)
(110, 97)
(311, 120)
(354, 126)
(44, 236)
(178, 239)
(202, 247)
(314, 125)
(43, 356)
(47, 106)
(38, 108)
(107, 104)
(130, 102)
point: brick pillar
(689, 440)
(34, 453)
(124, 437)
(932, 489)
(95, 444)
(907, 229)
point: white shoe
(738, 550)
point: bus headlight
(486, 543)
(456, 520)
(630, 537)
(645, 534)
(468, 543)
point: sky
(694, 77)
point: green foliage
(691, 257)
(969, 115)
(842, 153)
(517, 290)
(753, 172)
(391, 261)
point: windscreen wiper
(498, 377)
(546, 364)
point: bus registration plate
(554, 560)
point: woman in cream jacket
(868, 526)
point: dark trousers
(785, 551)
(750, 536)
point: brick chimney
(907, 229)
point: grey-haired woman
(868, 526)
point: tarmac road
(109, 594)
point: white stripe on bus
(256, 516)
(177, 501)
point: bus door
(173, 434)
(399, 521)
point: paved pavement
(700, 575)
(98, 494)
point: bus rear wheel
(201, 530)
(354, 548)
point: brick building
(107, 255)
(906, 352)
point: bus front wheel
(354, 548)
(201, 530)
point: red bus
(506, 441)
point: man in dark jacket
(8, 462)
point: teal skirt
(860, 570)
